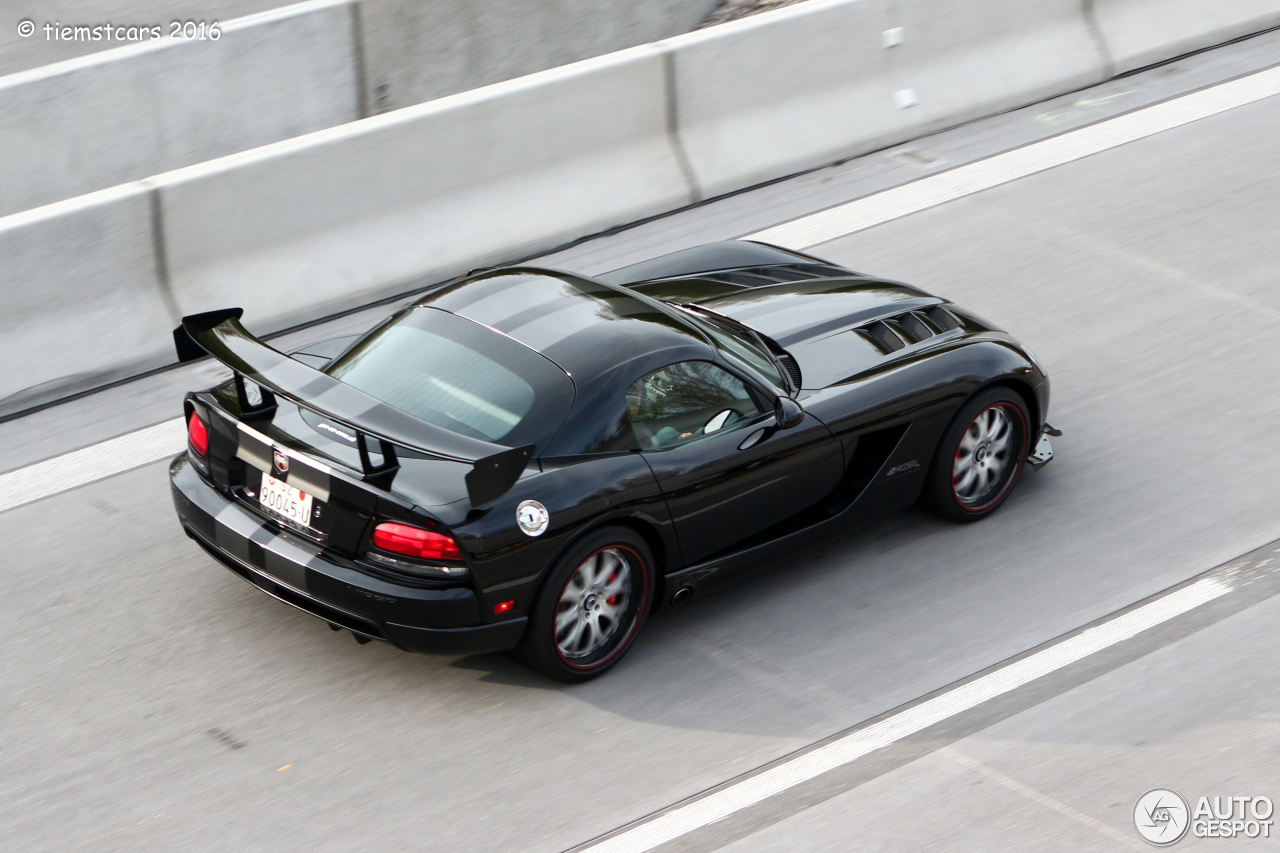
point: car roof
(587, 327)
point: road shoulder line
(844, 749)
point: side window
(686, 401)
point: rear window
(461, 376)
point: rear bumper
(288, 568)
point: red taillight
(503, 606)
(415, 542)
(197, 435)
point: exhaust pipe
(682, 595)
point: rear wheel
(590, 607)
(980, 456)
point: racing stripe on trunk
(308, 475)
(253, 447)
(304, 473)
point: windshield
(740, 344)
(459, 375)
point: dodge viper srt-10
(532, 460)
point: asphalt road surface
(151, 701)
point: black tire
(965, 483)
(588, 590)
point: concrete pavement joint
(1011, 784)
(1193, 282)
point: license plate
(279, 497)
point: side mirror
(787, 412)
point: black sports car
(530, 459)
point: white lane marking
(1037, 157)
(88, 464)
(118, 455)
(682, 820)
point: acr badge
(282, 462)
(532, 517)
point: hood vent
(883, 336)
(894, 333)
(915, 328)
(761, 276)
(942, 318)
(765, 276)
(744, 278)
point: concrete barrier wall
(417, 50)
(770, 95)
(963, 59)
(344, 216)
(822, 81)
(124, 114)
(80, 301)
(90, 123)
(83, 125)
(1143, 32)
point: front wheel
(590, 607)
(980, 456)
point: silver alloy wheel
(983, 455)
(593, 604)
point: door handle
(754, 439)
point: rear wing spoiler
(262, 374)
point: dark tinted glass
(459, 375)
(740, 346)
(686, 401)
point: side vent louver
(884, 337)
(942, 318)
